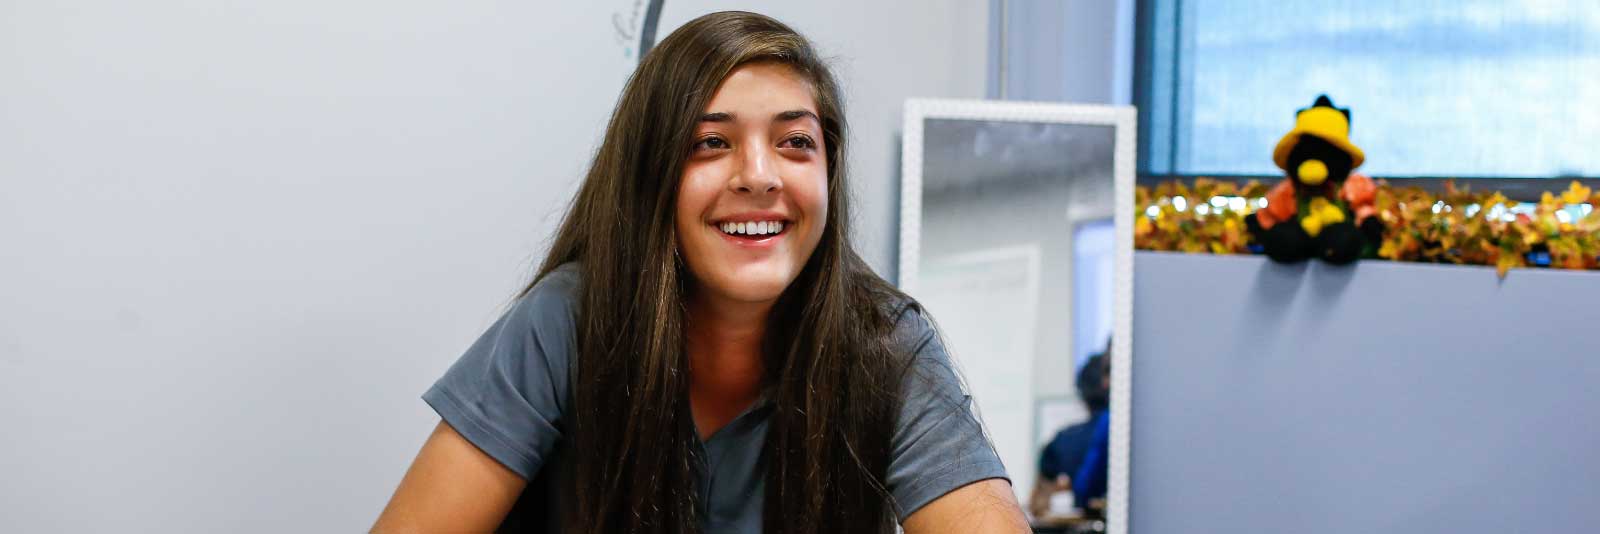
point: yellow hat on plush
(1323, 121)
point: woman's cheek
(696, 192)
(812, 197)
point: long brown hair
(833, 375)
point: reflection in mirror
(1014, 258)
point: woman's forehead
(762, 91)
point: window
(1093, 288)
(1437, 88)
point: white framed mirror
(1016, 232)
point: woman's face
(753, 198)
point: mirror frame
(1123, 121)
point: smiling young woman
(703, 350)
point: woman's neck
(723, 339)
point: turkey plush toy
(1322, 210)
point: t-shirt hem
(949, 479)
(476, 430)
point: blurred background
(238, 240)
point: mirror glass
(1016, 266)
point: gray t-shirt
(508, 393)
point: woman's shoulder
(893, 317)
(557, 288)
(913, 332)
(564, 277)
(549, 305)
(906, 314)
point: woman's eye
(799, 141)
(711, 143)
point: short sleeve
(507, 393)
(938, 444)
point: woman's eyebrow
(783, 116)
(793, 114)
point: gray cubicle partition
(1383, 397)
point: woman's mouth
(752, 232)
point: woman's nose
(759, 174)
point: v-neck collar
(762, 400)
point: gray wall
(1381, 398)
(237, 241)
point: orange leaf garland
(1456, 226)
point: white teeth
(752, 227)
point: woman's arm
(451, 487)
(983, 507)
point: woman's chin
(755, 291)
(747, 287)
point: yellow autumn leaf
(1387, 250)
(1575, 193)
(1493, 200)
(1253, 189)
(1549, 224)
(1505, 262)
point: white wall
(237, 241)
